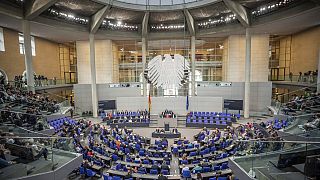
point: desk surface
(96, 167)
(212, 162)
(141, 176)
(103, 157)
(211, 174)
(189, 158)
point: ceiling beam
(241, 12)
(190, 22)
(145, 23)
(97, 19)
(36, 7)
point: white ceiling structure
(189, 14)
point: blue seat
(224, 166)
(165, 172)
(141, 153)
(153, 171)
(184, 161)
(195, 161)
(145, 161)
(186, 174)
(105, 177)
(114, 157)
(118, 167)
(90, 173)
(193, 154)
(116, 178)
(213, 178)
(82, 170)
(216, 168)
(175, 150)
(222, 178)
(206, 169)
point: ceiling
(281, 23)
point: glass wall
(128, 55)
(279, 57)
(68, 62)
(209, 57)
(209, 53)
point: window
(21, 45)
(1, 40)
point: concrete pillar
(247, 74)
(144, 60)
(93, 76)
(28, 55)
(318, 78)
(193, 65)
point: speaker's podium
(166, 133)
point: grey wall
(176, 104)
(260, 94)
(82, 94)
(130, 98)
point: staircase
(153, 120)
(181, 121)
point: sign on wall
(107, 104)
(233, 104)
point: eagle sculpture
(165, 72)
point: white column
(193, 65)
(247, 74)
(28, 55)
(318, 78)
(93, 76)
(144, 60)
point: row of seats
(138, 120)
(57, 123)
(222, 122)
(120, 167)
(212, 114)
(278, 124)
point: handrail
(32, 137)
(284, 141)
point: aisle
(174, 166)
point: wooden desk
(211, 174)
(105, 158)
(141, 176)
(148, 166)
(96, 167)
(212, 162)
(189, 158)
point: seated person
(312, 125)
(165, 166)
(3, 160)
(142, 169)
(38, 152)
(197, 169)
(155, 166)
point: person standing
(290, 76)
(300, 77)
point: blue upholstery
(186, 174)
(153, 171)
(90, 173)
(116, 178)
(184, 161)
(222, 178)
(165, 172)
(81, 170)
(216, 168)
